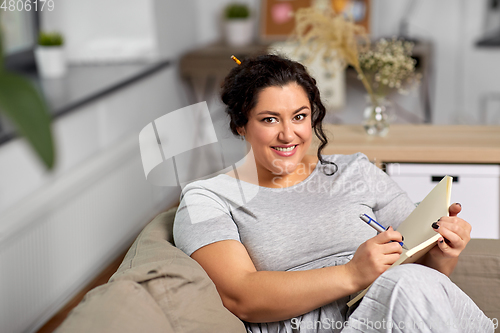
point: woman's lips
(285, 153)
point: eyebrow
(273, 113)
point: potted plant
(49, 54)
(238, 24)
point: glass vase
(376, 116)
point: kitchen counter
(83, 84)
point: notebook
(418, 233)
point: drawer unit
(475, 186)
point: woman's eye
(269, 120)
(300, 117)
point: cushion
(122, 306)
(176, 282)
(478, 274)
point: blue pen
(377, 226)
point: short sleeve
(201, 219)
(392, 204)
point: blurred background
(125, 63)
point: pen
(236, 60)
(377, 226)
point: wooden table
(417, 143)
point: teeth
(285, 149)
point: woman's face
(279, 128)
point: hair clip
(236, 60)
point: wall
(58, 229)
(462, 72)
(154, 28)
(464, 76)
(176, 26)
(481, 77)
(91, 28)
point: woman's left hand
(455, 232)
(455, 236)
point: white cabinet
(475, 186)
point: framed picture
(277, 21)
(359, 10)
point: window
(19, 33)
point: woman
(286, 249)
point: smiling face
(279, 130)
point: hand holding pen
(377, 226)
(374, 257)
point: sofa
(158, 288)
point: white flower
(389, 65)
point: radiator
(59, 238)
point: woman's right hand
(374, 257)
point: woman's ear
(241, 131)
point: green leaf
(236, 10)
(1, 48)
(23, 105)
(50, 39)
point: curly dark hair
(243, 84)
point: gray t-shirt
(308, 225)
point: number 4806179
(27, 5)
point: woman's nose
(286, 134)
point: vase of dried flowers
(385, 67)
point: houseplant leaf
(24, 106)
